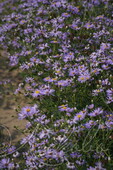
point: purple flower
(109, 124)
(98, 166)
(109, 95)
(90, 124)
(79, 116)
(68, 57)
(71, 166)
(96, 92)
(84, 77)
(74, 26)
(105, 46)
(37, 93)
(13, 60)
(63, 82)
(75, 155)
(91, 106)
(22, 22)
(28, 112)
(6, 164)
(47, 91)
(66, 15)
(96, 112)
(73, 9)
(65, 108)
(45, 133)
(96, 2)
(88, 25)
(35, 60)
(54, 42)
(11, 149)
(105, 67)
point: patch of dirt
(8, 104)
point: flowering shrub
(64, 50)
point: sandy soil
(8, 105)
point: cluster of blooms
(64, 50)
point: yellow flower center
(47, 78)
(82, 78)
(37, 92)
(81, 66)
(22, 21)
(66, 13)
(55, 41)
(88, 25)
(94, 71)
(98, 90)
(64, 107)
(54, 78)
(70, 53)
(28, 110)
(79, 116)
(59, 83)
(29, 52)
(45, 159)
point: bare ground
(8, 105)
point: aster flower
(28, 112)
(89, 25)
(96, 112)
(22, 22)
(100, 17)
(47, 91)
(14, 60)
(45, 133)
(91, 106)
(29, 79)
(35, 60)
(105, 67)
(63, 82)
(73, 9)
(65, 108)
(109, 124)
(105, 82)
(83, 78)
(75, 27)
(105, 46)
(37, 93)
(102, 126)
(68, 57)
(98, 166)
(66, 15)
(96, 92)
(54, 42)
(6, 164)
(109, 95)
(12, 149)
(90, 123)
(79, 116)
(95, 71)
(49, 79)
(71, 166)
